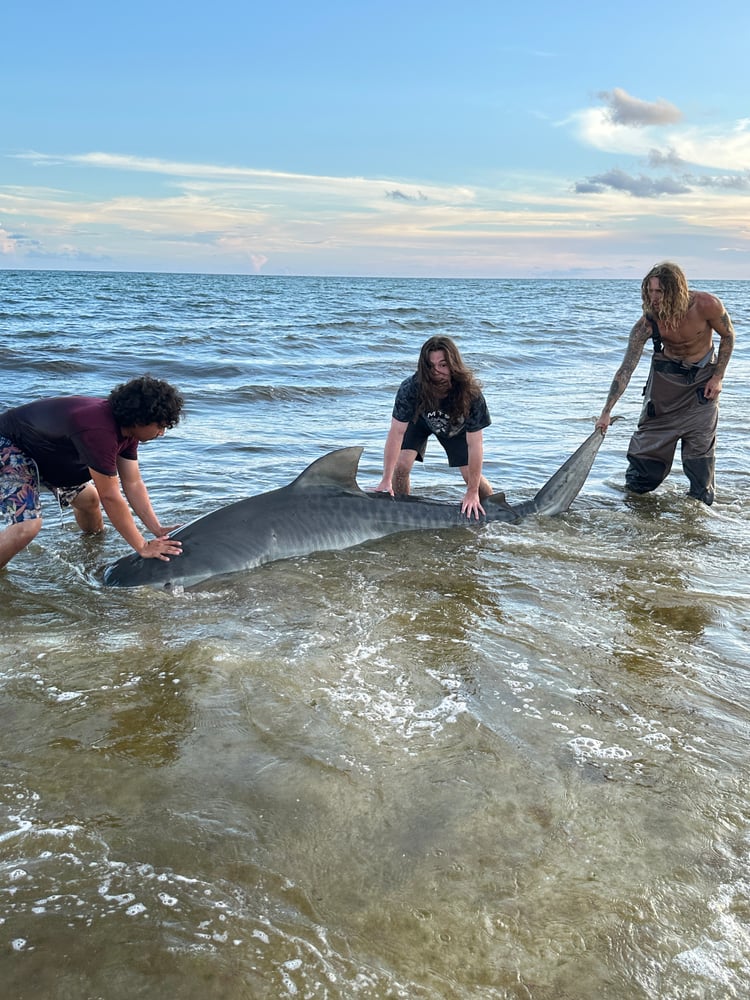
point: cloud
(9, 243)
(631, 111)
(202, 216)
(205, 176)
(731, 182)
(667, 159)
(725, 146)
(398, 195)
(639, 187)
(15, 243)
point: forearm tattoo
(726, 345)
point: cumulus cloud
(11, 243)
(623, 109)
(722, 147)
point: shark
(324, 509)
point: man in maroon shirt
(85, 451)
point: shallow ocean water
(506, 763)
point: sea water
(510, 763)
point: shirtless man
(681, 397)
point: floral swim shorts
(20, 485)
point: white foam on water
(588, 748)
(378, 691)
(77, 880)
(722, 957)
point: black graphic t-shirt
(438, 421)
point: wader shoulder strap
(655, 336)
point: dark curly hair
(146, 400)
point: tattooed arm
(718, 317)
(638, 337)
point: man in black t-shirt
(442, 398)
(85, 451)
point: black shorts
(456, 447)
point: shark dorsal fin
(337, 468)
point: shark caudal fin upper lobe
(559, 492)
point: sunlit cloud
(718, 148)
(251, 178)
(8, 243)
(206, 216)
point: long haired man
(681, 396)
(442, 398)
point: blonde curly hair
(675, 294)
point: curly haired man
(681, 396)
(84, 450)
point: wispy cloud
(249, 177)
(398, 195)
(218, 217)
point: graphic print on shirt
(440, 423)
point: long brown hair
(675, 294)
(464, 386)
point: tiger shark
(324, 509)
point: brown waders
(675, 409)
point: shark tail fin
(559, 492)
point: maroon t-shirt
(68, 435)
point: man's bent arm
(719, 319)
(118, 512)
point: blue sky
(483, 139)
